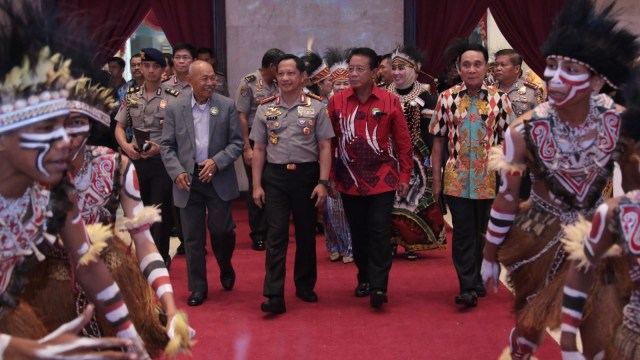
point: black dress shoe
(481, 291)
(362, 290)
(197, 298)
(467, 298)
(180, 250)
(228, 278)
(274, 305)
(378, 298)
(307, 296)
(258, 245)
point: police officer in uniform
(254, 88)
(143, 110)
(183, 56)
(524, 95)
(292, 134)
(206, 54)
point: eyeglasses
(185, 58)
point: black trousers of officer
(369, 219)
(205, 202)
(289, 191)
(470, 218)
(257, 216)
(156, 189)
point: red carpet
(420, 321)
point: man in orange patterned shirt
(472, 116)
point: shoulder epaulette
(172, 91)
(530, 85)
(314, 96)
(268, 99)
(133, 89)
(250, 78)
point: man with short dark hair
(385, 75)
(472, 116)
(524, 96)
(135, 66)
(183, 55)
(292, 136)
(116, 69)
(370, 170)
(254, 88)
(206, 54)
(200, 162)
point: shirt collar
(194, 103)
(483, 89)
(376, 91)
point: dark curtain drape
(152, 21)
(526, 25)
(109, 23)
(186, 21)
(438, 22)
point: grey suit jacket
(179, 143)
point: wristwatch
(326, 183)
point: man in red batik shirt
(372, 137)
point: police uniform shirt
(221, 84)
(291, 133)
(183, 89)
(524, 96)
(252, 90)
(147, 114)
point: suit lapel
(187, 115)
(213, 121)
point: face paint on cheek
(558, 78)
(42, 143)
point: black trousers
(257, 216)
(369, 219)
(289, 191)
(156, 189)
(204, 202)
(470, 218)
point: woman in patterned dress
(418, 220)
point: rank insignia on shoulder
(172, 91)
(314, 96)
(133, 89)
(250, 78)
(530, 85)
(268, 99)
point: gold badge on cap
(214, 110)
(163, 104)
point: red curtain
(186, 21)
(438, 22)
(110, 23)
(151, 20)
(526, 25)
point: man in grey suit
(201, 139)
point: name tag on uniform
(304, 111)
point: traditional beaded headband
(33, 93)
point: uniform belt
(294, 166)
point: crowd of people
(349, 139)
